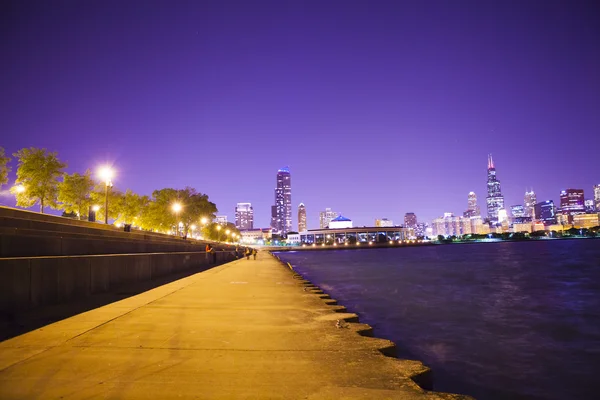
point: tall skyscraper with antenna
(494, 199)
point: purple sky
(378, 107)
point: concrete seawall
(30, 282)
(246, 329)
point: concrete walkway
(243, 330)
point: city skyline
(219, 95)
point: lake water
(516, 320)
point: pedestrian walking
(248, 252)
(254, 252)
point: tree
(158, 215)
(114, 201)
(4, 168)
(131, 207)
(38, 173)
(195, 206)
(74, 193)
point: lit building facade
(325, 217)
(340, 222)
(586, 220)
(517, 211)
(244, 216)
(572, 203)
(384, 222)
(353, 236)
(410, 220)
(597, 197)
(472, 207)
(256, 236)
(421, 229)
(281, 212)
(530, 201)
(221, 219)
(589, 206)
(545, 212)
(494, 199)
(301, 217)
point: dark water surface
(493, 320)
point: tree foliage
(4, 168)
(218, 232)
(74, 193)
(38, 173)
(130, 207)
(114, 201)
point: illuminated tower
(494, 199)
(410, 220)
(472, 207)
(281, 212)
(597, 197)
(244, 216)
(301, 218)
(530, 202)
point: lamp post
(219, 233)
(176, 209)
(106, 175)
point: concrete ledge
(26, 283)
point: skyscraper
(410, 220)
(572, 202)
(530, 202)
(325, 217)
(545, 212)
(281, 212)
(494, 199)
(472, 207)
(518, 211)
(244, 216)
(301, 218)
(597, 197)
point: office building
(410, 220)
(589, 206)
(571, 203)
(221, 219)
(281, 212)
(472, 207)
(517, 211)
(325, 217)
(530, 201)
(545, 212)
(244, 216)
(383, 222)
(301, 218)
(597, 197)
(494, 199)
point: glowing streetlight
(204, 220)
(96, 208)
(106, 174)
(219, 232)
(20, 189)
(176, 209)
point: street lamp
(176, 208)
(20, 189)
(219, 232)
(106, 174)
